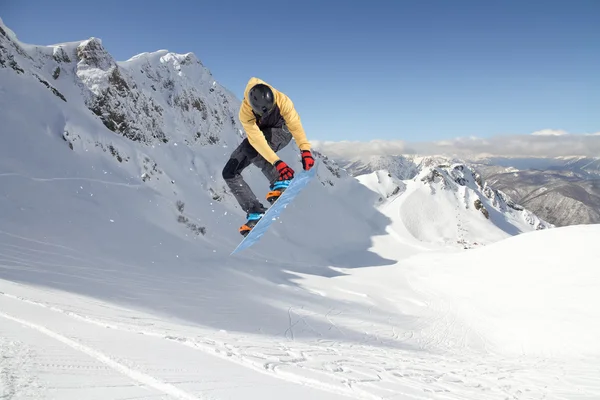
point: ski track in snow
(440, 368)
(15, 365)
(128, 185)
(96, 355)
(360, 371)
(366, 370)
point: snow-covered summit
(450, 204)
(6, 31)
(444, 200)
(466, 181)
(382, 182)
(401, 167)
(141, 98)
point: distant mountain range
(562, 191)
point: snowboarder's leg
(241, 158)
(278, 138)
(268, 170)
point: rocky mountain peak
(461, 178)
(92, 54)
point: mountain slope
(439, 200)
(166, 137)
(565, 194)
(584, 166)
(437, 326)
(451, 205)
(401, 167)
(515, 291)
(563, 191)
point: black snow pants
(242, 157)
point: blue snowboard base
(301, 179)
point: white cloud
(544, 143)
(550, 132)
(351, 149)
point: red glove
(307, 160)
(285, 172)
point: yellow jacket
(288, 112)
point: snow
(383, 183)
(10, 33)
(108, 289)
(116, 360)
(449, 205)
(530, 296)
(436, 325)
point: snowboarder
(270, 121)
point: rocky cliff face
(153, 97)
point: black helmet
(261, 99)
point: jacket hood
(255, 81)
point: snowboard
(299, 182)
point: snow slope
(383, 183)
(435, 326)
(116, 280)
(166, 176)
(534, 294)
(445, 199)
(560, 190)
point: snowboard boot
(253, 217)
(276, 190)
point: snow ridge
(451, 204)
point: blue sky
(415, 70)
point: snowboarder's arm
(292, 120)
(255, 136)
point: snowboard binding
(276, 190)
(273, 195)
(253, 230)
(253, 219)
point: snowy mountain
(563, 191)
(450, 204)
(400, 166)
(582, 166)
(450, 201)
(116, 279)
(557, 196)
(158, 124)
(383, 183)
